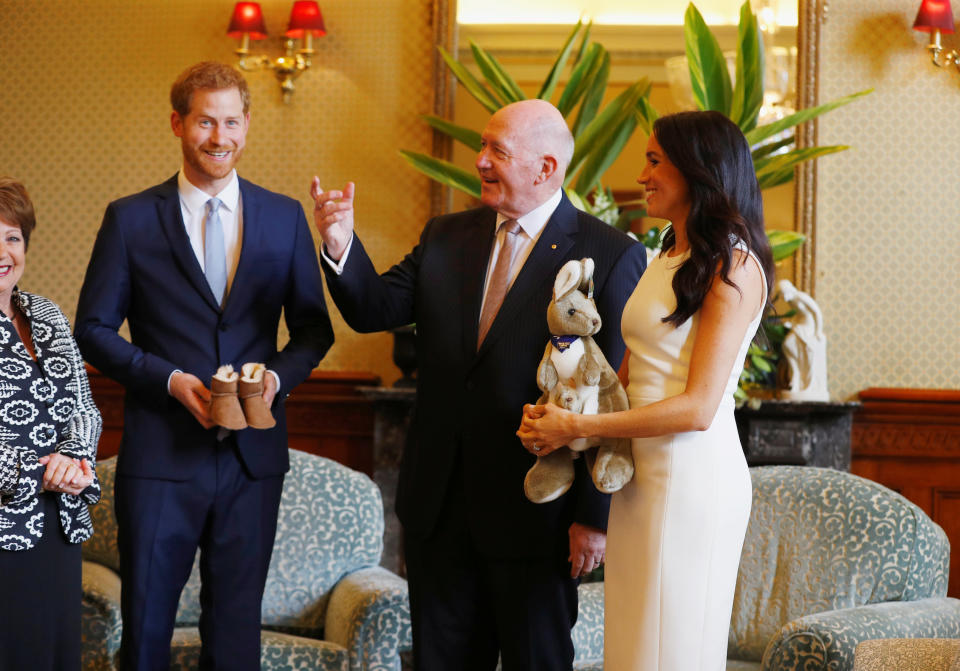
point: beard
(198, 159)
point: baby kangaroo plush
(575, 375)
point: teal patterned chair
(327, 604)
(829, 560)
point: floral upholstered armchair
(327, 604)
(829, 560)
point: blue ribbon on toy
(563, 342)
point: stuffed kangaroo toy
(575, 375)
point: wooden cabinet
(909, 441)
(326, 415)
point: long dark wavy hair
(725, 203)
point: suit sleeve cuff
(170, 377)
(336, 266)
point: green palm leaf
(606, 125)
(607, 150)
(776, 170)
(769, 148)
(444, 172)
(748, 87)
(761, 133)
(784, 243)
(469, 82)
(462, 134)
(596, 88)
(497, 78)
(550, 84)
(579, 80)
(708, 67)
(584, 41)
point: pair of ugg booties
(236, 401)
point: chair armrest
(369, 615)
(101, 625)
(827, 640)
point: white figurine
(803, 370)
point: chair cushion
(820, 539)
(278, 652)
(908, 654)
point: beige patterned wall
(84, 119)
(888, 211)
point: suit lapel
(474, 258)
(171, 220)
(541, 267)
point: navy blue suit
(144, 270)
(460, 494)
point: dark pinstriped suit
(461, 480)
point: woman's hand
(546, 427)
(65, 474)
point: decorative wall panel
(888, 239)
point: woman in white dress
(676, 530)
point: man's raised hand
(333, 216)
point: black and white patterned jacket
(43, 409)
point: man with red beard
(200, 267)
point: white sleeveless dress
(676, 530)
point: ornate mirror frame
(811, 14)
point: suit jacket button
(222, 327)
(470, 385)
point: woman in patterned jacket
(49, 428)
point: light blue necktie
(214, 256)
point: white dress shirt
(531, 226)
(193, 207)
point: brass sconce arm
(940, 57)
(286, 68)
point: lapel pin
(554, 246)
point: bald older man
(489, 571)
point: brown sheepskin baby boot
(251, 396)
(225, 407)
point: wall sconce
(306, 22)
(935, 17)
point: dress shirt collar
(534, 220)
(195, 200)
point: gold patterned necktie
(500, 279)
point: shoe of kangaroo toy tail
(550, 477)
(250, 392)
(225, 407)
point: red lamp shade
(934, 15)
(305, 16)
(247, 18)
